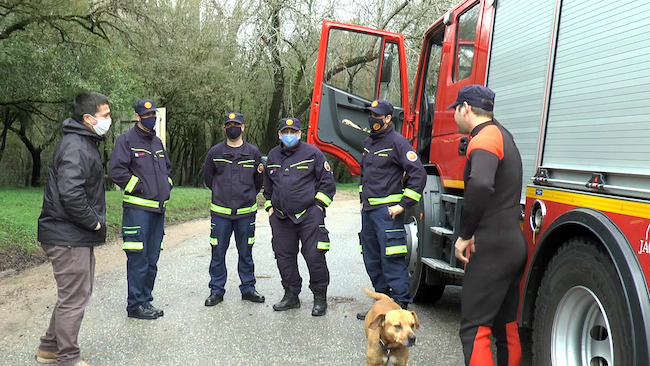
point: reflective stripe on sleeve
(323, 198)
(131, 184)
(415, 196)
(267, 204)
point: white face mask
(102, 126)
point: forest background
(197, 58)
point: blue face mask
(149, 122)
(289, 140)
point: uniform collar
(380, 134)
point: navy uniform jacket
(296, 179)
(387, 158)
(139, 164)
(234, 174)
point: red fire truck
(572, 83)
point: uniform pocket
(395, 242)
(213, 235)
(251, 233)
(323, 238)
(132, 236)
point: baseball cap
(290, 122)
(144, 106)
(474, 94)
(234, 117)
(380, 107)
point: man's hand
(99, 226)
(393, 211)
(270, 211)
(461, 245)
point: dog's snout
(411, 340)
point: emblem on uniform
(411, 156)
(260, 168)
(374, 103)
(289, 122)
(231, 115)
(327, 166)
(147, 104)
(138, 154)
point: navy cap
(381, 107)
(290, 122)
(144, 106)
(234, 117)
(475, 95)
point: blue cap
(144, 106)
(234, 117)
(290, 122)
(381, 107)
(475, 95)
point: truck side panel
(599, 115)
(519, 62)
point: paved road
(237, 332)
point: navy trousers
(383, 244)
(142, 232)
(309, 231)
(220, 233)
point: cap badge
(374, 103)
(147, 104)
(289, 122)
(231, 115)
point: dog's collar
(383, 346)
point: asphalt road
(237, 332)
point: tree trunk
(270, 138)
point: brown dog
(390, 331)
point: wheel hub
(581, 332)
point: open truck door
(355, 66)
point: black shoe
(320, 302)
(142, 313)
(289, 301)
(213, 299)
(362, 315)
(402, 305)
(253, 296)
(157, 311)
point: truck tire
(417, 234)
(579, 318)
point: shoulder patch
(260, 168)
(326, 165)
(411, 156)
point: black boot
(289, 301)
(320, 302)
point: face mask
(102, 126)
(149, 122)
(233, 132)
(375, 123)
(289, 140)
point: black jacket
(391, 172)
(296, 179)
(139, 164)
(234, 174)
(73, 199)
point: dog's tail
(376, 295)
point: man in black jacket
(233, 171)
(72, 223)
(139, 164)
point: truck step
(440, 265)
(451, 198)
(442, 231)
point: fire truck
(572, 84)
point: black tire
(579, 317)
(420, 291)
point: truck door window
(465, 37)
(428, 101)
(356, 63)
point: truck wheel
(416, 235)
(579, 319)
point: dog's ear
(379, 320)
(417, 322)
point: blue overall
(220, 233)
(142, 232)
(383, 244)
